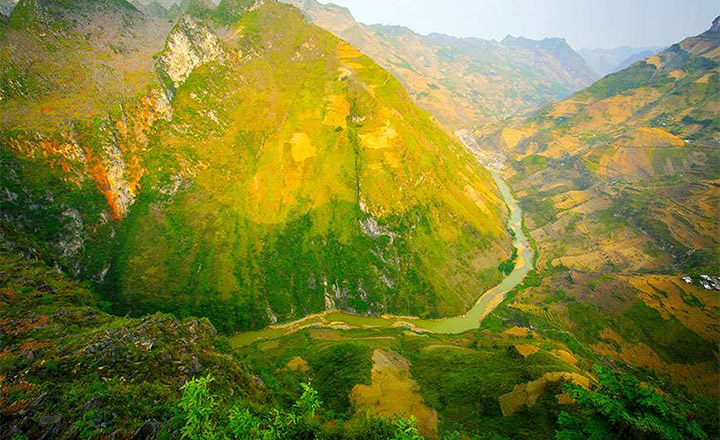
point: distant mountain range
(619, 186)
(463, 82)
(607, 61)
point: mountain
(619, 186)
(175, 10)
(638, 146)
(166, 4)
(156, 9)
(607, 61)
(463, 82)
(634, 58)
(178, 169)
(237, 163)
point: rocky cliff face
(104, 160)
(189, 45)
(95, 160)
(6, 7)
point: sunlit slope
(464, 82)
(268, 171)
(317, 184)
(624, 175)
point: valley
(470, 320)
(260, 219)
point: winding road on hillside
(487, 302)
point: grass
(337, 369)
(462, 384)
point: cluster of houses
(706, 281)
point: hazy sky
(584, 23)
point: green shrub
(243, 425)
(406, 429)
(196, 409)
(620, 407)
(308, 402)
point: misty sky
(584, 23)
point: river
(485, 304)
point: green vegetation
(199, 415)
(616, 83)
(239, 199)
(531, 164)
(172, 378)
(507, 266)
(619, 407)
(406, 430)
(168, 378)
(196, 407)
(337, 370)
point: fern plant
(621, 407)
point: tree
(620, 407)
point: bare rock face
(6, 7)
(120, 193)
(189, 45)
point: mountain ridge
(463, 82)
(639, 128)
(607, 61)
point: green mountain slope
(623, 175)
(619, 184)
(260, 171)
(463, 82)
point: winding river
(487, 302)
